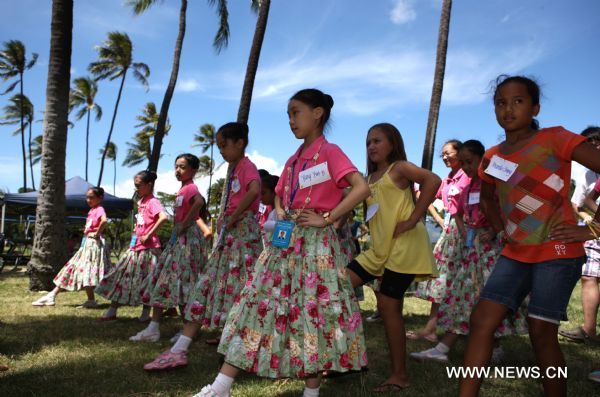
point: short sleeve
(191, 190)
(100, 212)
(281, 183)
(339, 165)
(248, 173)
(154, 207)
(484, 164)
(564, 142)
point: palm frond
(139, 6)
(221, 39)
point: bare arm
(206, 231)
(162, 218)
(197, 203)
(98, 232)
(489, 207)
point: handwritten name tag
(501, 168)
(371, 211)
(453, 191)
(179, 201)
(314, 175)
(474, 198)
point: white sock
(112, 311)
(153, 327)
(308, 392)
(182, 345)
(442, 348)
(51, 294)
(222, 384)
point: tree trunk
(30, 158)
(23, 137)
(115, 176)
(259, 34)
(212, 168)
(438, 85)
(87, 144)
(49, 244)
(112, 125)
(164, 109)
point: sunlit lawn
(62, 351)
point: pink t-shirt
(183, 201)
(244, 172)
(148, 210)
(469, 205)
(94, 216)
(331, 166)
(450, 190)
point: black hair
(190, 159)
(455, 143)
(592, 133)
(235, 131)
(473, 146)
(262, 173)
(146, 176)
(269, 181)
(98, 191)
(533, 89)
(316, 99)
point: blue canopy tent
(75, 190)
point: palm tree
(206, 167)
(49, 238)
(20, 111)
(220, 41)
(438, 85)
(141, 148)
(36, 149)
(13, 62)
(207, 138)
(111, 154)
(115, 60)
(82, 96)
(214, 203)
(259, 34)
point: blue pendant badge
(282, 234)
(470, 237)
(133, 241)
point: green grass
(61, 351)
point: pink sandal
(167, 360)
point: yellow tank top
(409, 253)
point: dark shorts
(393, 284)
(549, 286)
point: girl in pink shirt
(479, 255)
(87, 267)
(297, 316)
(123, 284)
(236, 250)
(170, 283)
(448, 249)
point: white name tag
(474, 198)
(453, 191)
(235, 185)
(501, 168)
(88, 224)
(140, 219)
(314, 175)
(371, 211)
(262, 208)
(178, 201)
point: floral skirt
(87, 267)
(448, 255)
(297, 314)
(171, 282)
(225, 274)
(468, 279)
(123, 283)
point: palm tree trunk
(112, 125)
(115, 176)
(259, 34)
(23, 137)
(87, 143)
(212, 167)
(164, 108)
(438, 85)
(31, 158)
(50, 239)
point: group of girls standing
(286, 305)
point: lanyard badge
(282, 234)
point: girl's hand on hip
(311, 218)
(571, 233)
(402, 227)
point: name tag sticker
(453, 191)
(474, 198)
(501, 168)
(178, 201)
(314, 175)
(282, 234)
(235, 185)
(371, 211)
(139, 219)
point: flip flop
(388, 387)
(575, 334)
(412, 335)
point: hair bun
(328, 100)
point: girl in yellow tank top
(400, 249)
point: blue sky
(375, 58)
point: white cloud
(403, 12)
(189, 85)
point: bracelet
(327, 218)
